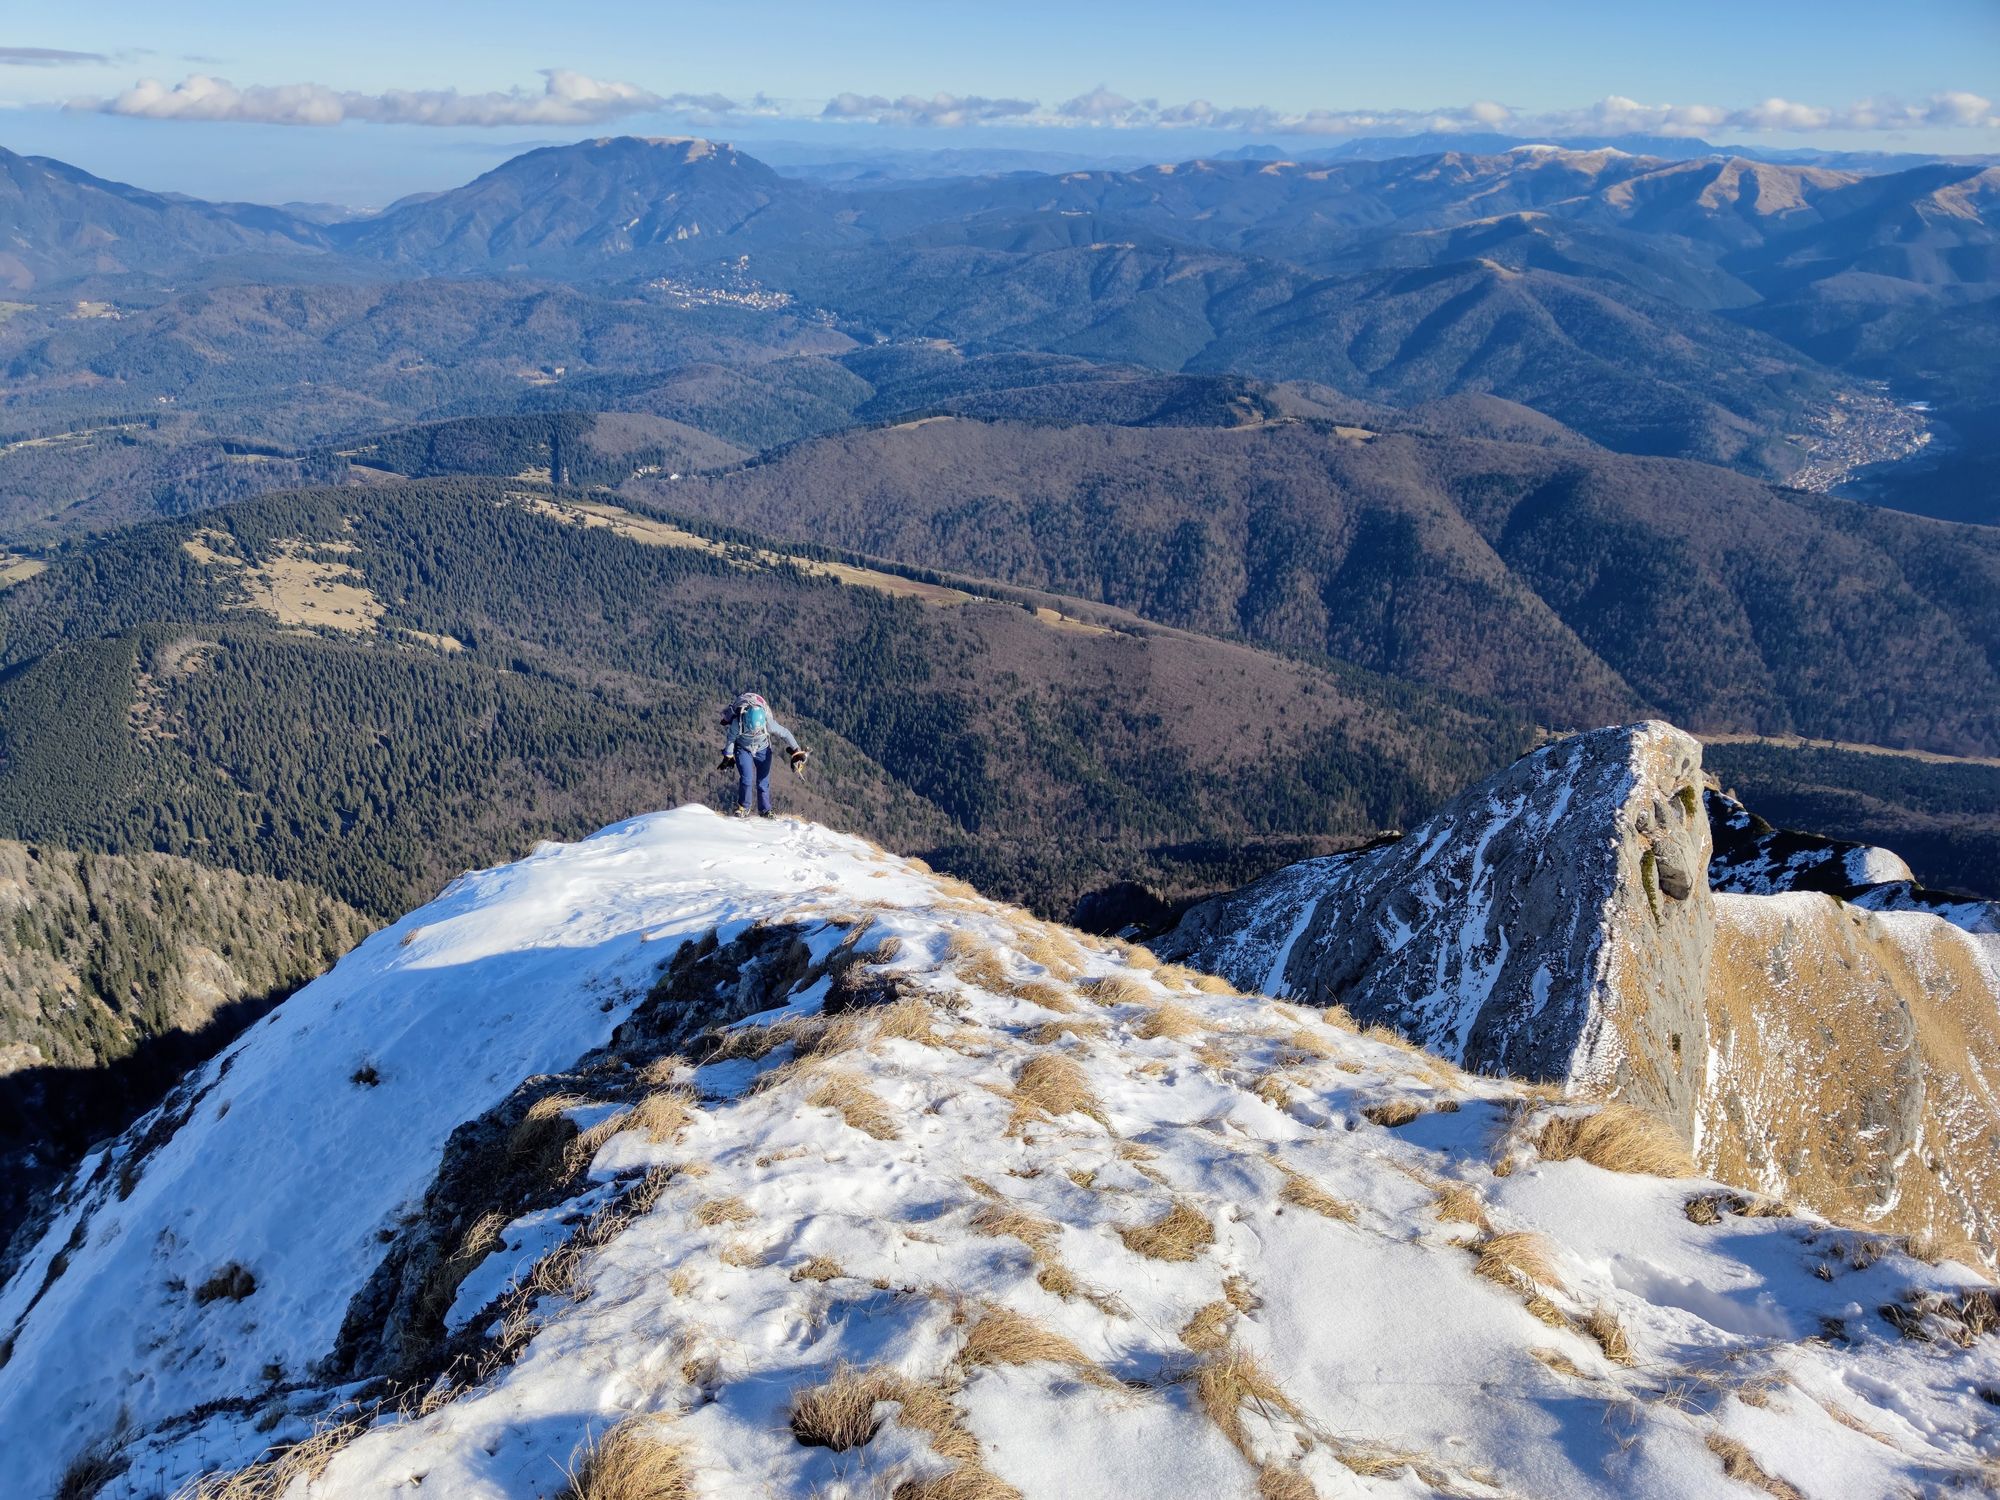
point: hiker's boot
(767, 813)
(741, 812)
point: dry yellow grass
(1050, 1032)
(1460, 1204)
(907, 1020)
(1208, 1329)
(274, 1477)
(1049, 996)
(1301, 1045)
(1210, 1053)
(1213, 984)
(1559, 1362)
(1231, 1379)
(633, 1461)
(1393, 1112)
(1041, 944)
(1054, 1085)
(886, 951)
(713, 1211)
(1273, 1090)
(1135, 954)
(1618, 1138)
(663, 1114)
(860, 1106)
(1742, 1466)
(1005, 1337)
(1302, 1192)
(840, 1415)
(1180, 1236)
(1517, 1260)
(1167, 1021)
(744, 1254)
(819, 1268)
(1006, 1221)
(1274, 1483)
(1119, 989)
(1603, 1326)
(1236, 1290)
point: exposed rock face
(1552, 923)
(1816, 1024)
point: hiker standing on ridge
(751, 729)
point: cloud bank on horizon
(572, 98)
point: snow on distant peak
(827, 1177)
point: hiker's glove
(799, 758)
(727, 762)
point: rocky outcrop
(1551, 923)
(1814, 1023)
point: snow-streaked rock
(1551, 923)
(716, 1268)
(1820, 1027)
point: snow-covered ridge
(1071, 1223)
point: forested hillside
(120, 972)
(1580, 585)
(531, 677)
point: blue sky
(187, 97)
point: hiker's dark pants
(753, 772)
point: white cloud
(566, 98)
(946, 110)
(47, 57)
(1103, 108)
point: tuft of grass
(1056, 1086)
(1618, 1138)
(1741, 1465)
(1274, 1483)
(1048, 996)
(274, 1477)
(1231, 1379)
(1168, 1022)
(1005, 1337)
(1181, 1236)
(907, 1020)
(713, 1211)
(1051, 1032)
(840, 1414)
(1208, 1329)
(860, 1106)
(632, 1461)
(886, 951)
(1237, 1292)
(1394, 1112)
(1559, 1362)
(231, 1283)
(819, 1268)
(1302, 1192)
(1459, 1203)
(1041, 944)
(1520, 1261)
(1603, 1325)
(1273, 1090)
(663, 1114)
(743, 1254)
(1006, 1221)
(89, 1472)
(1118, 989)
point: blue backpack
(753, 728)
